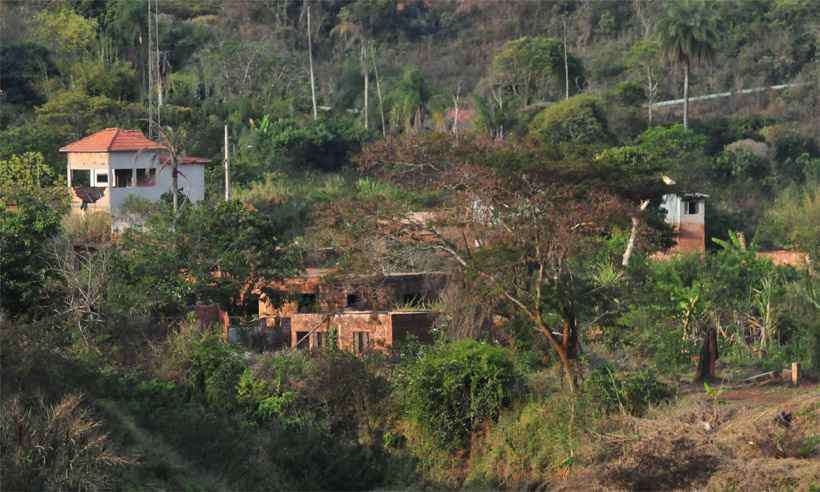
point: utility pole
(227, 169)
(310, 59)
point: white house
(112, 164)
(687, 215)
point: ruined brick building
(360, 311)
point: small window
(146, 177)
(353, 300)
(306, 303)
(320, 340)
(691, 207)
(302, 340)
(123, 178)
(361, 341)
(101, 178)
(80, 177)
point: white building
(687, 215)
(110, 165)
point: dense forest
(572, 349)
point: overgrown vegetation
(509, 145)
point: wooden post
(708, 357)
(227, 169)
(795, 373)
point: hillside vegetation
(514, 146)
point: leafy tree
(22, 66)
(532, 69)
(30, 175)
(451, 390)
(579, 119)
(636, 172)
(524, 234)
(688, 35)
(66, 33)
(792, 222)
(408, 100)
(644, 61)
(323, 145)
(26, 225)
(212, 254)
(74, 113)
(115, 80)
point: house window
(353, 300)
(123, 178)
(306, 303)
(146, 177)
(691, 207)
(320, 340)
(100, 178)
(302, 340)
(361, 341)
(80, 177)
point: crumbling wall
(345, 325)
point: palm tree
(688, 35)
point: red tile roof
(113, 140)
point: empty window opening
(320, 340)
(691, 207)
(353, 300)
(123, 178)
(361, 341)
(302, 340)
(306, 303)
(146, 177)
(80, 177)
(101, 178)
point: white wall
(676, 213)
(191, 179)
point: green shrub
(202, 361)
(631, 394)
(579, 119)
(452, 389)
(529, 444)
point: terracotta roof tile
(112, 140)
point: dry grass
(55, 447)
(91, 227)
(730, 441)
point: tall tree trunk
(366, 81)
(227, 168)
(686, 94)
(310, 60)
(633, 234)
(379, 91)
(708, 356)
(650, 93)
(566, 62)
(175, 186)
